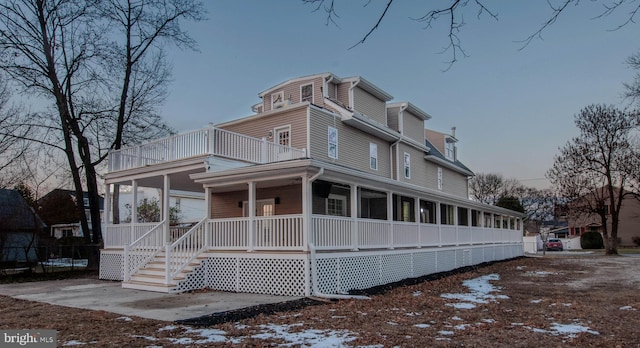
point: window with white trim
(449, 150)
(283, 135)
(373, 156)
(407, 166)
(277, 99)
(440, 178)
(336, 205)
(332, 142)
(306, 93)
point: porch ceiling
(178, 181)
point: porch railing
(185, 249)
(142, 250)
(338, 233)
(118, 235)
(207, 141)
(280, 232)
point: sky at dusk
(512, 107)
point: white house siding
(413, 127)
(453, 182)
(260, 127)
(353, 144)
(419, 171)
(369, 105)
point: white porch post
(107, 202)
(354, 216)
(439, 222)
(207, 215)
(456, 223)
(307, 228)
(417, 217)
(252, 213)
(134, 201)
(390, 217)
(165, 209)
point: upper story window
(440, 178)
(332, 142)
(450, 150)
(277, 99)
(407, 166)
(373, 156)
(306, 93)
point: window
(373, 156)
(373, 204)
(277, 99)
(439, 178)
(407, 166)
(476, 218)
(306, 93)
(446, 214)
(264, 207)
(403, 208)
(336, 205)
(449, 150)
(463, 216)
(283, 136)
(427, 212)
(332, 142)
(67, 233)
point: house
(20, 228)
(59, 209)
(580, 221)
(328, 187)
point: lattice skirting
(339, 273)
(111, 265)
(275, 274)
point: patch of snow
(446, 333)
(338, 316)
(392, 323)
(414, 314)
(73, 343)
(306, 338)
(417, 293)
(456, 318)
(124, 319)
(488, 321)
(422, 326)
(517, 324)
(627, 308)
(567, 304)
(461, 326)
(168, 328)
(480, 292)
(536, 301)
(571, 329)
(148, 338)
(520, 268)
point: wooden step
(142, 285)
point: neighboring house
(327, 188)
(580, 222)
(20, 228)
(65, 228)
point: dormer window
(450, 150)
(277, 100)
(306, 93)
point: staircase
(153, 267)
(152, 276)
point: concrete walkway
(111, 297)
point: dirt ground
(584, 301)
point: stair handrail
(185, 249)
(149, 245)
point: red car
(554, 244)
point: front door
(264, 207)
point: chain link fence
(46, 259)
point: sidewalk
(111, 297)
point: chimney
(453, 131)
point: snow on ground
(480, 292)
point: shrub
(636, 240)
(591, 240)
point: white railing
(143, 250)
(282, 232)
(207, 141)
(118, 235)
(185, 249)
(229, 234)
(337, 233)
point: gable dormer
(445, 144)
(407, 119)
(364, 97)
(311, 89)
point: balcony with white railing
(202, 142)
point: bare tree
(139, 62)
(490, 187)
(12, 145)
(592, 170)
(633, 89)
(453, 14)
